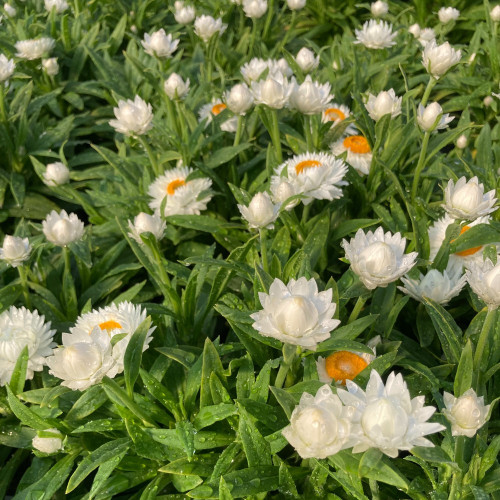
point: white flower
(56, 174)
(462, 142)
(296, 313)
(377, 258)
(58, 5)
(48, 441)
(253, 69)
(386, 417)
(414, 29)
(175, 87)
(484, 279)
(81, 363)
(447, 14)
(107, 322)
(376, 35)
(15, 250)
(239, 99)
(438, 59)
(495, 14)
(467, 200)
(296, 4)
(281, 190)
(359, 154)
(261, 212)
(426, 35)
(440, 287)
(386, 102)
(310, 97)
(9, 9)
(50, 66)
(431, 117)
(345, 365)
(7, 67)
(467, 414)
(280, 65)
(132, 117)
(206, 26)
(314, 175)
(184, 14)
(488, 101)
(145, 223)
(318, 425)
(20, 328)
(274, 91)
(379, 8)
(335, 113)
(159, 44)
(34, 49)
(210, 110)
(62, 229)
(254, 8)
(182, 196)
(306, 60)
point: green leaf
(199, 465)
(26, 415)
(286, 401)
(476, 236)
(256, 448)
(224, 491)
(211, 364)
(186, 432)
(224, 155)
(315, 242)
(435, 455)
(19, 373)
(197, 222)
(208, 415)
(133, 355)
(161, 393)
(92, 399)
(354, 329)
(489, 457)
(463, 377)
(286, 484)
(375, 465)
(342, 345)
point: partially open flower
(484, 279)
(56, 174)
(431, 118)
(132, 117)
(306, 60)
(184, 14)
(34, 49)
(145, 223)
(379, 8)
(175, 87)
(274, 91)
(254, 8)
(239, 99)
(7, 67)
(50, 66)
(376, 35)
(385, 103)
(447, 14)
(438, 59)
(206, 26)
(62, 229)
(159, 44)
(310, 97)
(261, 212)
(467, 413)
(296, 4)
(15, 250)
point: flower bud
(50, 66)
(296, 4)
(379, 8)
(184, 14)
(7, 67)
(56, 174)
(384, 103)
(414, 29)
(48, 441)
(438, 59)
(447, 14)
(159, 44)
(488, 101)
(261, 212)
(254, 8)
(467, 413)
(306, 60)
(495, 14)
(145, 223)
(62, 229)
(175, 87)
(432, 118)
(15, 250)
(239, 99)
(206, 26)
(462, 142)
(9, 10)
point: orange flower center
(218, 108)
(470, 251)
(344, 365)
(109, 325)
(303, 165)
(172, 186)
(357, 144)
(334, 114)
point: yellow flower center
(344, 365)
(303, 165)
(357, 144)
(172, 186)
(218, 108)
(334, 114)
(470, 251)
(109, 325)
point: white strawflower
(253, 69)
(426, 35)
(317, 176)
(296, 313)
(62, 229)
(415, 30)
(319, 426)
(440, 287)
(254, 8)
(58, 5)
(9, 9)
(56, 174)
(261, 212)
(376, 35)
(335, 113)
(495, 14)
(467, 413)
(310, 98)
(484, 279)
(159, 44)
(274, 91)
(209, 111)
(296, 4)
(15, 250)
(488, 101)
(20, 328)
(239, 99)
(132, 117)
(359, 153)
(206, 26)
(462, 142)
(379, 8)
(184, 14)
(48, 441)
(145, 223)
(438, 59)
(281, 190)
(183, 197)
(447, 14)
(34, 49)
(7, 67)
(50, 66)
(467, 199)
(431, 117)
(280, 65)
(386, 102)
(386, 417)
(306, 60)
(378, 258)
(175, 87)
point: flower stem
(308, 133)
(24, 282)
(183, 130)
(428, 90)
(252, 36)
(3, 114)
(489, 321)
(358, 307)
(275, 135)
(263, 250)
(151, 155)
(270, 12)
(420, 166)
(456, 484)
(289, 355)
(239, 131)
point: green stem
(456, 484)
(428, 89)
(289, 30)
(305, 213)
(24, 282)
(480, 364)
(358, 307)
(3, 114)
(263, 250)
(420, 166)
(374, 489)
(152, 158)
(252, 37)
(270, 12)
(183, 130)
(275, 135)
(282, 373)
(308, 134)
